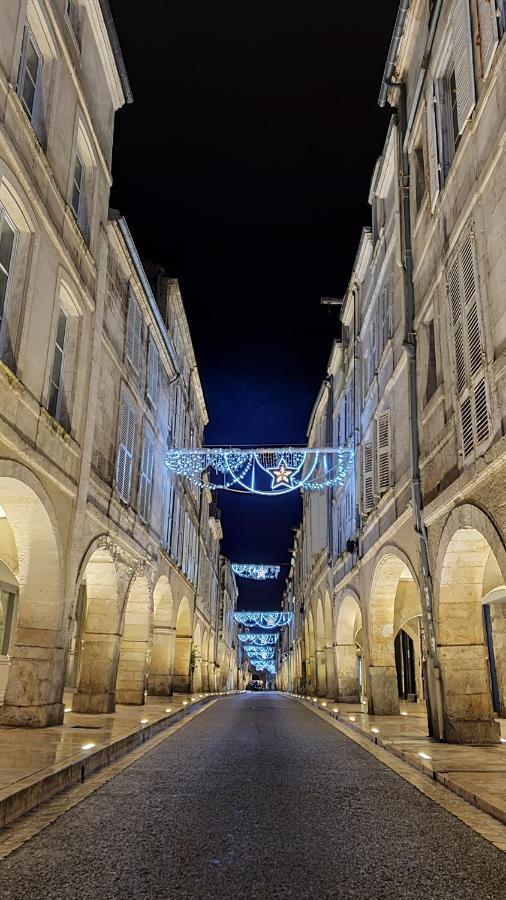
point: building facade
(416, 545)
(101, 549)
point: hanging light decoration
(255, 652)
(265, 667)
(257, 638)
(262, 471)
(256, 571)
(263, 619)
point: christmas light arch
(256, 571)
(263, 619)
(258, 638)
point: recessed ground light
(185, 702)
(68, 709)
(352, 718)
(200, 696)
(424, 755)
(144, 721)
(503, 740)
(403, 714)
(88, 746)
(315, 699)
(193, 699)
(169, 709)
(335, 709)
(375, 730)
(323, 703)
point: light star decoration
(281, 475)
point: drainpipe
(433, 671)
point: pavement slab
(256, 797)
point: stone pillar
(34, 691)
(204, 665)
(383, 691)
(498, 621)
(321, 674)
(467, 703)
(97, 681)
(162, 660)
(348, 687)
(131, 677)
(330, 666)
(181, 680)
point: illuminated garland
(258, 638)
(255, 652)
(263, 619)
(263, 471)
(265, 667)
(257, 571)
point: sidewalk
(35, 764)
(477, 774)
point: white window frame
(383, 452)
(146, 475)
(80, 187)
(32, 114)
(133, 341)
(125, 448)
(7, 272)
(61, 350)
(153, 373)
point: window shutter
(463, 61)
(367, 477)
(489, 33)
(432, 148)
(146, 478)
(134, 329)
(125, 450)
(152, 378)
(351, 414)
(462, 282)
(382, 435)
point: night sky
(243, 167)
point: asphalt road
(256, 798)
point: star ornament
(281, 476)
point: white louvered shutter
(152, 378)
(146, 476)
(470, 375)
(463, 61)
(383, 453)
(125, 452)
(432, 147)
(367, 477)
(373, 349)
(489, 33)
(134, 333)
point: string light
(260, 652)
(263, 471)
(257, 571)
(256, 637)
(263, 619)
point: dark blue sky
(243, 167)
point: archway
(162, 647)
(471, 626)
(349, 651)
(321, 667)
(132, 665)
(32, 602)
(98, 657)
(395, 605)
(183, 647)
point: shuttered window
(383, 318)
(146, 476)
(489, 33)
(152, 379)
(367, 477)
(7, 249)
(126, 440)
(134, 333)
(462, 43)
(350, 416)
(383, 453)
(468, 344)
(432, 146)
(30, 70)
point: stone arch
(31, 549)
(184, 639)
(162, 645)
(99, 630)
(470, 568)
(395, 600)
(134, 646)
(348, 650)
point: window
(367, 480)
(489, 32)
(469, 350)
(431, 381)
(7, 244)
(134, 333)
(153, 374)
(73, 13)
(76, 200)
(383, 318)
(126, 439)
(30, 69)
(55, 404)
(451, 98)
(146, 476)
(383, 457)
(419, 182)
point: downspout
(433, 673)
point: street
(256, 797)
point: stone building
(416, 534)
(101, 550)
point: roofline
(116, 49)
(393, 51)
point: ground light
(352, 718)
(169, 709)
(144, 721)
(424, 755)
(185, 702)
(88, 746)
(375, 730)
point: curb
(36, 790)
(441, 778)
